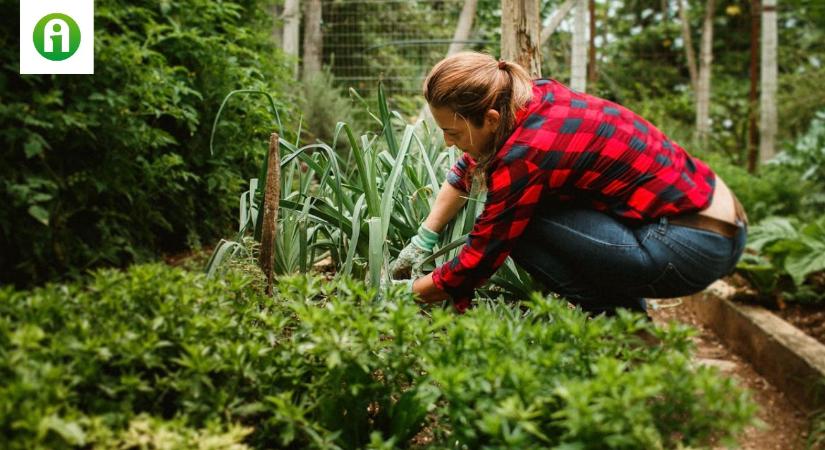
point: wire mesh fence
(395, 41)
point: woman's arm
(447, 204)
(427, 291)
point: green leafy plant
(785, 247)
(171, 358)
(112, 171)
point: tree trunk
(292, 28)
(277, 25)
(592, 74)
(558, 16)
(688, 42)
(705, 65)
(313, 39)
(753, 126)
(464, 27)
(520, 34)
(767, 104)
(578, 58)
(462, 33)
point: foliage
(322, 106)
(774, 191)
(787, 248)
(165, 357)
(113, 168)
(807, 156)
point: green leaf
(40, 214)
(69, 431)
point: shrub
(787, 254)
(165, 356)
(112, 168)
(774, 191)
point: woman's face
(460, 132)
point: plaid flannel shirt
(570, 147)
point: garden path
(786, 427)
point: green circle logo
(56, 37)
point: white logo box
(80, 63)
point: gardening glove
(386, 285)
(408, 263)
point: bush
(775, 190)
(115, 167)
(162, 355)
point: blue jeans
(600, 263)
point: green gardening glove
(408, 263)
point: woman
(591, 199)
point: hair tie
(502, 64)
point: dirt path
(786, 427)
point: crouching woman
(591, 199)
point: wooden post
(688, 42)
(767, 105)
(313, 39)
(292, 31)
(753, 97)
(272, 197)
(703, 90)
(592, 74)
(520, 31)
(578, 55)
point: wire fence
(395, 41)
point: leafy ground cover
(155, 357)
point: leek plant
(359, 207)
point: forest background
(116, 168)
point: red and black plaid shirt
(570, 146)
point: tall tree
(592, 74)
(578, 60)
(465, 25)
(690, 55)
(313, 39)
(292, 29)
(705, 65)
(277, 24)
(520, 34)
(753, 95)
(767, 104)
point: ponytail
(471, 84)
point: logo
(57, 37)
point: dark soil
(808, 318)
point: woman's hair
(472, 83)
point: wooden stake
(272, 197)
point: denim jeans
(600, 263)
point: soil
(784, 426)
(808, 318)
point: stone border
(790, 359)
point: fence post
(520, 40)
(272, 197)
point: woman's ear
(492, 118)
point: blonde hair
(472, 83)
